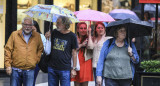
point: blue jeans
(117, 82)
(25, 77)
(54, 76)
(36, 74)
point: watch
(74, 68)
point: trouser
(54, 76)
(25, 77)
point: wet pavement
(42, 80)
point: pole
(156, 26)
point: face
(34, 28)
(59, 24)
(27, 26)
(122, 33)
(82, 30)
(100, 30)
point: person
(22, 53)
(37, 29)
(63, 47)
(96, 43)
(116, 60)
(86, 73)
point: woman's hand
(130, 51)
(89, 30)
(99, 81)
(47, 35)
(84, 44)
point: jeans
(25, 76)
(117, 82)
(36, 74)
(54, 76)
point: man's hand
(99, 81)
(73, 73)
(9, 70)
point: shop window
(2, 32)
(88, 4)
(109, 5)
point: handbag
(77, 65)
(43, 63)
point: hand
(73, 73)
(84, 43)
(99, 81)
(9, 70)
(130, 51)
(133, 40)
(89, 30)
(47, 35)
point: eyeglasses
(27, 24)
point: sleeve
(90, 43)
(43, 40)
(101, 59)
(74, 42)
(48, 47)
(135, 54)
(40, 48)
(8, 51)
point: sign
(149, 1)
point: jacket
(21, 55)
(104, 52)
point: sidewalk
(42, 80)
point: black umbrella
(134, 28)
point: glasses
(28, 25)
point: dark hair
(118, 28)
(147, 12)
(37, 26)
(65, 21)
(97, 23)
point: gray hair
(27, 18)
(65, 21)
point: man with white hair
(22, 53)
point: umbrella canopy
(50, 13)
(123, 14)
(93, 15)
(134, 28)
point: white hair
(27, 18)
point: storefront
(11, 14)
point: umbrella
(93, 15)
(123, 14)
(50, 13)
(134, 28)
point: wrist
(74, 68)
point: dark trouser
(117, 82)
(36, 74)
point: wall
(2, 32)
